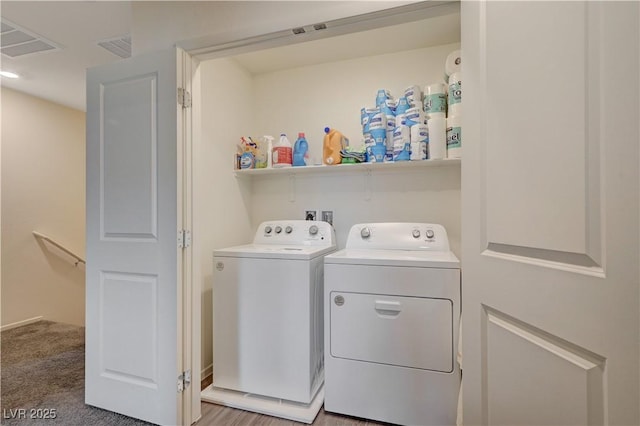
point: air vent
(298, 30)
(320, 27)
(17, 41)
(120, 46)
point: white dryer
(392, 315)
(268, 320)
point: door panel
(550, 213)
(548, 370)
(556, 163)
(133, 278)
(128, 146)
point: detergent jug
(334, 141)
(300, 151)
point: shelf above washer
(345, 168)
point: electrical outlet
(310, 215)
(327, 216)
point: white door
(550, 213)
(134, 274)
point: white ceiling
(407, 36)
(77, 26)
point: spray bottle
(269, 140)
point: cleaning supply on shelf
(435, 100)
(454, 99)
(282, 152)
(300, 151)
(269, 142)
(454, 137)
(353, 155)
(261, 153)
(247, 160)
(333, 143)
(247, 150)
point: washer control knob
(416, 233)
(430, 233)
(365, 232)
(313, 230)
(288, 229)
(267, 229)
(278, 229)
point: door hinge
(184, 380)
(184, 98)
(184, 238)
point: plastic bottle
(333, 142)
(282, 152)
(269, 140)
(300, 151)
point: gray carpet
(43, 368)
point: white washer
(392, 315)
(268, 320)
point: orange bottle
(334, 141)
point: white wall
(331, 94)
(222, 204)
(43, 189)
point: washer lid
(415, 258)
(275, 251)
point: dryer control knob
(267, 229)
(430, 233)
(416, 233)
(313, 230)
(365, 232)
(278, 229)
(288, 229)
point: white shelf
(342, 168)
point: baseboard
(206, 372)
(206, 377)
(20, 323)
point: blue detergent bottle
(300, 151)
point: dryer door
(412, 332)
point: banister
(60, 246)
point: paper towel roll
(418, 151)
(414, 116)
(435, 100)
(413, 94)
(401, 144)
(402, 106)
(454, 98)
(453, 62)
(437, 138)
(419, 133)
(454, 137)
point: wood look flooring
(213, 414)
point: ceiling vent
(120, 46)
(16, 41)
